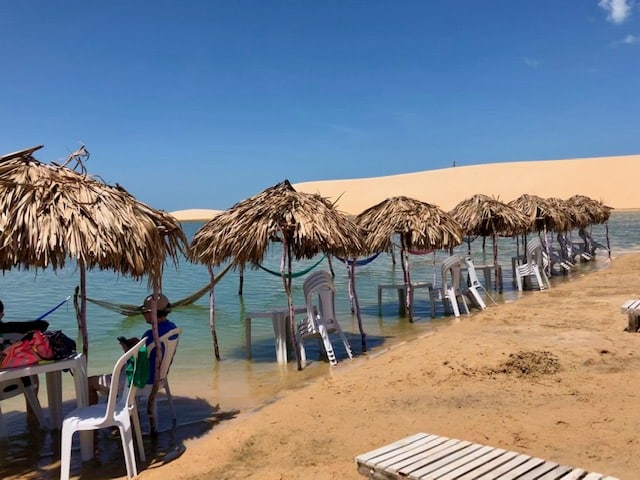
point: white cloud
(617, 10)
(628, 40)
(531, 62)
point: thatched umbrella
(544, 215)
(305, 224)
(593, 212)
(482, 215)
(420, 225)
(52, 213)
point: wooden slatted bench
(425, 456)
(632, 309)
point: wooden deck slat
(410, 453)
(430, 457)
(593, 476)
(527, 466)
(381, 454)
(502, 470)
(393, 446)
(537, 472)
(556, 473)
(438, 451)
(473, 465)
(486, 467)
(456, 462)
(575, 474)
(442, 461)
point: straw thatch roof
(307, 223)
(543, 214)
(421, 225)
(481, 215)
(51, 213)
(592, 211)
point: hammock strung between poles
(130, 310)
(359, 263)
(293, 275)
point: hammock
(415, 252)
(130, 310)
(293, 275)
(420, 252)
(359, 263)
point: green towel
(140, 372)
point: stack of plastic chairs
(321, 317)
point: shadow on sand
(30, 453)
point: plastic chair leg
(328, 347)
(127, 448)
(34, 403)
(453, 301)
(135, 424)
(167, 392)
(347, 347)
(65, 453)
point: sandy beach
(553, 374)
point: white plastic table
(53, 371)
(278, 318)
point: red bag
(41, 345)
(19, 354)
(32, 348)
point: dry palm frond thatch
(420, 226)
(542, 214)
(305, 224)
(485, 216)
(51, 214)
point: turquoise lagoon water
(236, 382)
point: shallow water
(209, 391)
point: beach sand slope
(553, 375)
(610, 179)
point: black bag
(63, 346)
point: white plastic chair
(27, 386)
(450, 293)
(321, 319)
(115, 413)
(169, 344)
(534, 266)
(474, 286)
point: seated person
(101, 383)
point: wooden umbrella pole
(153, 424)
(407, 278)
(286, 257)
(349, 267)
(212, 314)
(352, 281)
(83, 310)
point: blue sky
(200, 104)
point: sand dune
(194, 214)
(610, 179)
